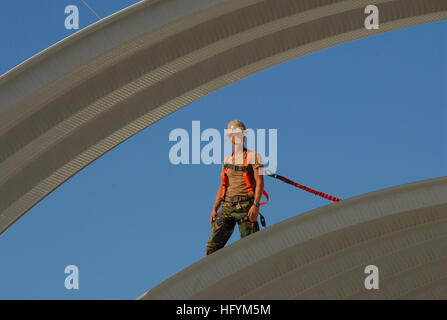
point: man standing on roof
(239, 193)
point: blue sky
(352, 119)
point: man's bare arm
(217, 203)
(218, 198)
(259, 178)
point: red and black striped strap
(296, 184)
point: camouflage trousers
(223, 226)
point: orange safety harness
(245, 171)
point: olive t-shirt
(236, 182)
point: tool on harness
(296, 184)
(248, 180)
(262, 220)
(261, 217)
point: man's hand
(213, 216)
(253, 213)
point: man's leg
(221, 230)
(247, 227)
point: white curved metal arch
(65, 107)
(322, 254)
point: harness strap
(235, 168)
(245, 174)
(266, 196)
(296, 184)
(224, 176)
